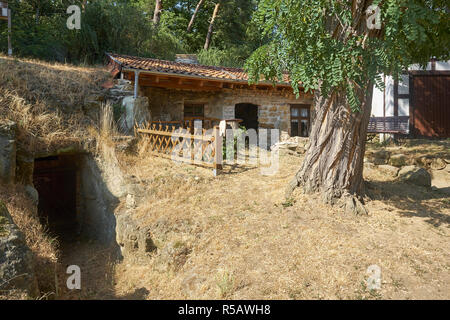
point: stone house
(184, 89)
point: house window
(300, 120)
(194, 110)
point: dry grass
(45, 100)
(247, 242)
(44, 248)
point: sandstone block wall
(273, 110)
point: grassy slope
(45, 99)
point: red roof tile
(171, 67)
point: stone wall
(273, 110)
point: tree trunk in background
(333, 164)
(157, 13)
(211, 26)
(191, 23)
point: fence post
(218, 157)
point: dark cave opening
(56, 179)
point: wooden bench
(395, 125)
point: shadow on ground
(413, 201)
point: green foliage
(125, 26)
(233, 57)
(323, 46)
(236, 134)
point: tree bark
(333, 164)
(157, 12)
(191, 23)
(211, 26)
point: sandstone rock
(397, 160)
(378, 157)
(415, 175)
(7, 152)
(423, 161)
(32, 194)
(131, 237)
(16, 262)
(284, 145)
(389, 170)
(438, 164)
(173, 256)
(369, 165)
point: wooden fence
(175, 140)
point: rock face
(16, 262)
(131, 237)
(7, 152)
(415, 175)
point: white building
(418, 104)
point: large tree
(336, 48)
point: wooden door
(431, 111)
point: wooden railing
(398, 124)
(171, 139)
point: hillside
(46, 101)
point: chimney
(186, 58)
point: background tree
(327, 46)
(191, 22)
(157, 12)
(126, 26)
(211, 26)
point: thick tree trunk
(191, 23)
(157, 12)
(333, 164)
(211, 26)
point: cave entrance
(56, 179)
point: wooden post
(136, 83)
(218, 157)
(9, 33)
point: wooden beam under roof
(195, 83)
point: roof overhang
(173, 80)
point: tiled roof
(187, 69)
